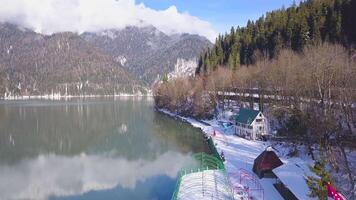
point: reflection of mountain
(52, 175)
(119, 128)
(61, 128)
(69, 128)
(181, 135)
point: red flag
(333, 193)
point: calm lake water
(91, 149)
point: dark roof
(267, 160)
(246, 116)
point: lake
(100, 148)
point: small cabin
(251, 124)
(265, 163)
(289, 178)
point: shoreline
(190, 121)
(66, 97)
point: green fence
(206, 161)
(213, 148)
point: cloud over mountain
(51, 16)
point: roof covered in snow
(267, 160)
(246, 116)
(208, 184)
(293, 176)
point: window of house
(258, 120)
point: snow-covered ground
(240, 154)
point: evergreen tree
(317, 186)
(312, 22)
(165, 78)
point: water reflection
(91, 149)
(178, 134)
(70, 128)
(62, 176)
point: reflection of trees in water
(181, 135)
(94, 127)
(72, 128)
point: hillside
(107, 62)
(35, 64)
(310, 23)
(147, 52)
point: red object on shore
(333, 193)
(214, 133)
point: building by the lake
(250, 124)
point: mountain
(310, 23)
(35, 64)
(106, 62)
(147, 52)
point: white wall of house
(256, 129)
(260, 126)
(244, 130)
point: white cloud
(50, 16)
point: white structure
(251, 124)
(207, 185)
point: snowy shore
(240, 154)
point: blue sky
(204, 17)
(222, 14)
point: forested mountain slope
(310, 23)
(146, 52)
(35, 64)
